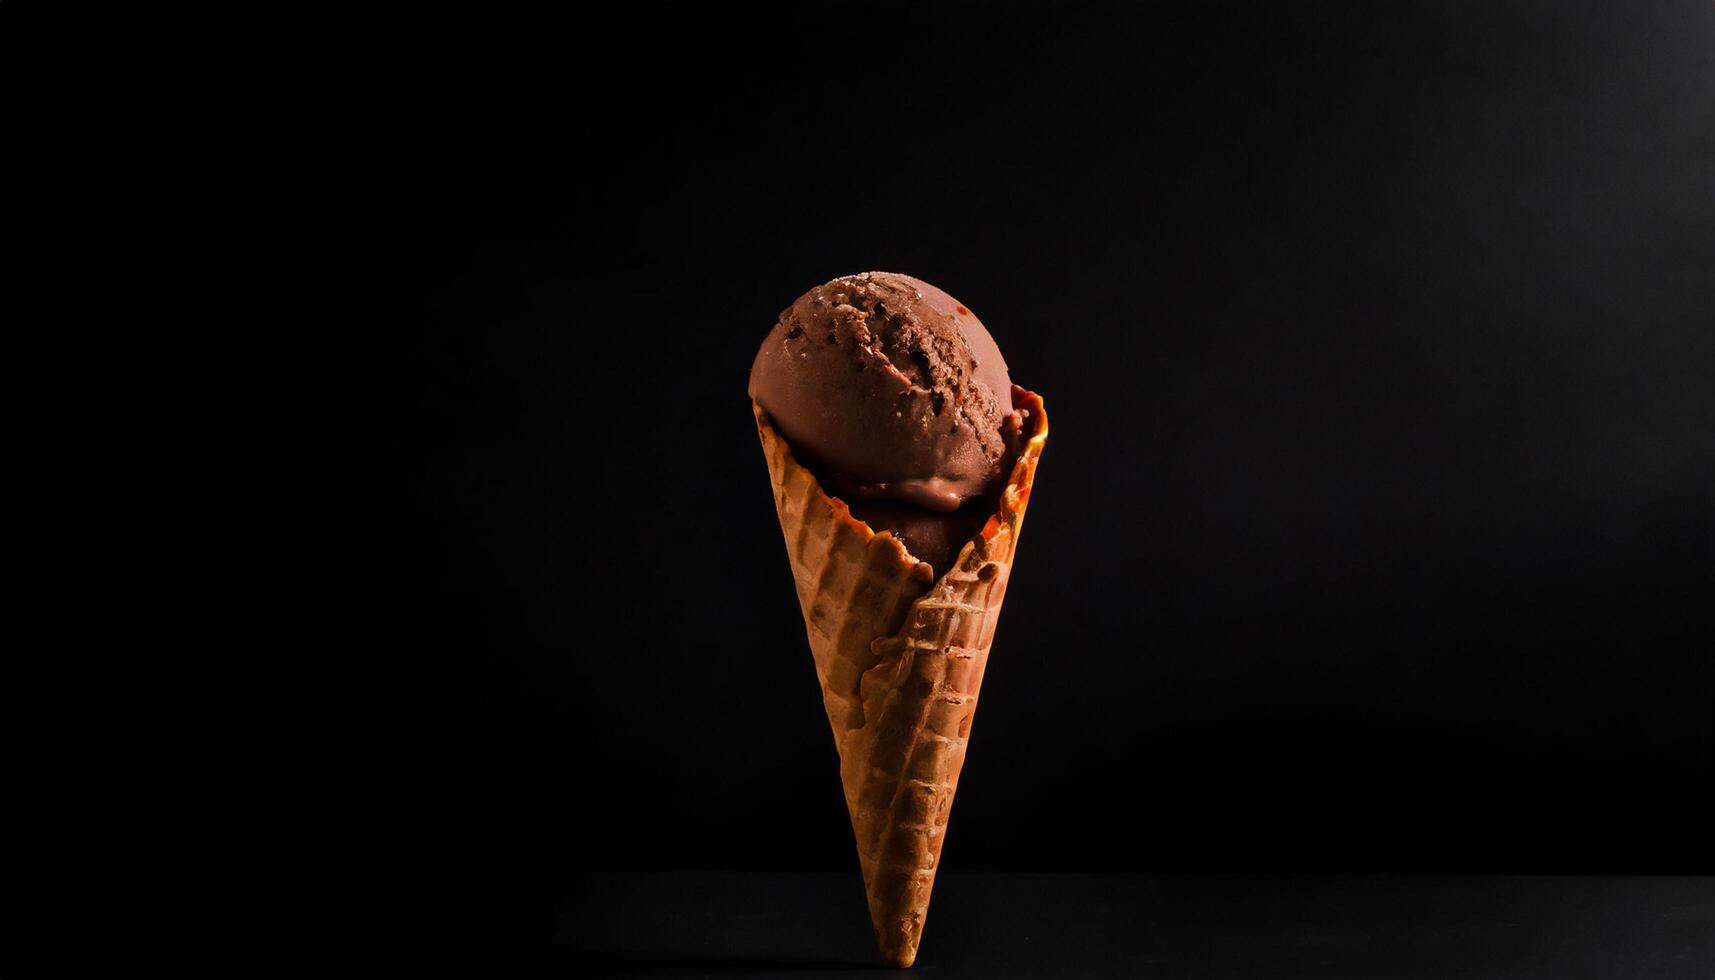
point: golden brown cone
(900, 656)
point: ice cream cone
(900, 656)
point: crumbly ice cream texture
(897, 398)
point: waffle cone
(900, 656)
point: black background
(1373, 534)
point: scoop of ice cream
(890, 386)
(895, 395)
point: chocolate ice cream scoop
(894, 394)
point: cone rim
(1015, 492)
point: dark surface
(1377, 537)
(1020, 925)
